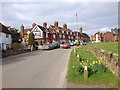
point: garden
(97, 72)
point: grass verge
(73, 75)
(108, 46)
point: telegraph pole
(77, 27)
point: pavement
(38, 69)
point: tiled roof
(42, 28)
(28, 29)
(85, 35)
(4, 29)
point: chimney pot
(56, 24)
(65, 26)
(45, 25)
(81, 30)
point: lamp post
(77, 27)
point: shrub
(16, 46)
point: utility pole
(77, 27)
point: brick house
(114, 35)
(81, 36)
(44, 34)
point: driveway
(38, 69)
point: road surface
(38, 69)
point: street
(38, 69)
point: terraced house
(44, 34)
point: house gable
(37, 32)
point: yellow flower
(93, 62)
(99, 62)
(113, 72)
(73, 66)
(96, 61)
(80, 63)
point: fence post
(85, 71)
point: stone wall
(111, 60)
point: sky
(93, 16)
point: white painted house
(5, 38)
(38, 32)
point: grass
(98, 78)
(108, 46)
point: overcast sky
(92, 16)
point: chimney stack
(33, 25)
(56, 24)
(22, 31)
(81, 30)
(65, 26)
(45, 25)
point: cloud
(92, 16)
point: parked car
(56, 44)
(48, 46)
(84, 43)
(71, 44)
(65, 45)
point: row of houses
(52, 33)
(43, 34)
(109, 36)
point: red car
(65, 45)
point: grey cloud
(91, 16)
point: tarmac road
(38, 69)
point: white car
(40, 47)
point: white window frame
(54, 36)
(63, 36)
(60, 36)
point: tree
(31, 40)
(15, 36)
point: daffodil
(93, 62)
(80, 63)
(99, 62)
(113, 72)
